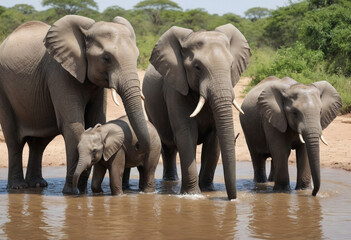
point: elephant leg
(271, 172)
(148, 170)
(99, 172)
(15, 169)
(259, 166)
(281, 171)
(303, 169)
(169, 155)
(71, 135)
(116, 170)
(126, 177)
(209, 159)
(34, 176)
(186, 145)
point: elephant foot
(195, 190)
(207, 187)
(270, 178)
(170, 177)
(17, 184)
(125, 185)
(37, 182)
(302, 186)
(281, 188)
(69, 190)
(260, 176)
(149, 190)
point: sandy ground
(336, 155)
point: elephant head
(207, 64)
(307, 110)
(95, 144)
(105, 54)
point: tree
(257, 13)
(65, 7)
(155, 7)
(24, 9)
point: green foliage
(299, 63)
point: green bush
(303, 65)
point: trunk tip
(315, 191)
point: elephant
(53, 81)
(283, 114)
(115, 143)
(196, 70)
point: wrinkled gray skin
(52, 81)
(276, 111)
(185, 65)
(113, 146)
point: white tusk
(199, 106)
(142, 96)
(301, 138)
(114, 96)
(323, 140)
(236, 105)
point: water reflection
(256, 214)
(296, 216)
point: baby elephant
(116, 143)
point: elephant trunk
(311, 138)
(81, 166)
(129, 90)
(221, 105)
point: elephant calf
(116, 143)
(282, 114)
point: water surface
(256, 214)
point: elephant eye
(106, 58)
(197, 68)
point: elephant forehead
(306, 96)
(89, 140)
(107, 30)
(202, 38)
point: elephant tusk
(114, 96)
(323, 140)
(199, 106)
(301, 138)
(142, 96)
(236, 105)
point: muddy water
(256, 214)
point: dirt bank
(337, 154)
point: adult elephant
(57, 87)
(196, 70)
(282, 114)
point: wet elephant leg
(303, 168)
(99, 172)
(169, 155)
(116, 170)
(281, 171)
(186, 144)
(209, 159)
(15, 170)
(126, 177)
(34, 176)
(259, 166)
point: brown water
(256, 214)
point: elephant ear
(126, 23)
(239, 49)
(271, 106)
(112, 143)
(65, 41)
(331, 102)
(167, 59)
